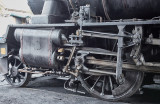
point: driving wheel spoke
(21, 76)
(103, 85)
(14, 79)
(19, 65)
(15, 62)
(95, 83)
(88, 77)
(110, 83)
(18, 78)
(10, 75)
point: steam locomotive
(110, 47)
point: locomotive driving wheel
(14, 77)
(106, 88)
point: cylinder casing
(38, 47)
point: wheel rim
(14, 77)
(105, 87)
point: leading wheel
(106, 88)
(14, 77)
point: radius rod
(125, 66)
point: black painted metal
(122, 9)
(126, 9)
(111, 9)
(53, 11)
(38, 47)
(36, 6)
(51, 7)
